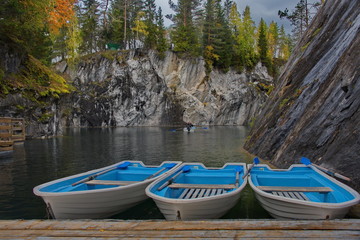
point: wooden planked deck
(161, 229)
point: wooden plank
(196, 193)
(183, 194)
(185, 234)
(3, 149)
(298, 196)
(217, 229)
(6, 143)
(189, 193)
(201, 186)
(5, 127)
(5, 120)
(109, 182)
(5, 134)
(294, 189)
(202, 192)
(304, 196)
(207, 192)
(248, 224)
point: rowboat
(190, 129)
(197, 192)
(102, 192)
(301, 192)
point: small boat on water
(189, 129)
(102, 192)
(197, 192)
(301, 192)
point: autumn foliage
(60, 12)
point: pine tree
(161, 45)
(263, 44)
(243, 31)
(209, 36)
(247, 38)
(184, 36)
(300, 18)
(223, 45)
(284, 44)
(89, 17)
(150, 12)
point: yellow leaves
(140, 26)
(209, 54)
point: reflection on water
(79, 150)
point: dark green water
(79, 150)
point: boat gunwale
(303, 202)
(197, 200)
(36, 190)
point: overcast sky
(266, 9)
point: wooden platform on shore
(161, 229)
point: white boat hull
(194, 209)
(283, 209)
(288, 208)
(92, 204)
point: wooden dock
(12, 131)
(161, 229)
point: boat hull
(288, 208)
(211, 208)
(93, 204)
(205, 207)
(282, 209)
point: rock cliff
(136, 88)
(314, 110)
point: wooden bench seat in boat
(294, 189)
(110, 182)
(294, 192)
(202, 186)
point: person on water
(189, 125)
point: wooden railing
(18, 130)
(12, 131)
(6, 142)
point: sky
(266, 9)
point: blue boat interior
(301, 177)
(134, 172)
(198, 175)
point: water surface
(79, 150)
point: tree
(150, 21)
(73, 41)
(273, 38)
(34, 24)
(284, 44)
(60, 13)
(209, 36)
(161, 45)
(140, 27)
(243, 31)
(263, 44)
(89, 22)
(184, 36)
(300, 18)
(246, 39)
